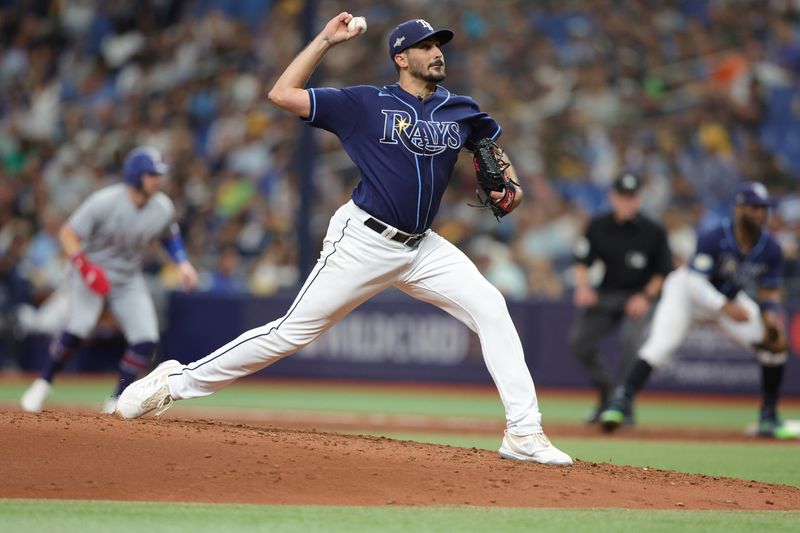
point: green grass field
(762, 461)
(103, 517)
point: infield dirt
(66, 455)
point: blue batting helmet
(140, 161)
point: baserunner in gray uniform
(105, 239)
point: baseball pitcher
(405, 139)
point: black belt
(409, 239)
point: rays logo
(423, 137)
(425, 24)
(741, 273)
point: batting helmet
(140, 161)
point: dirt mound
(378, 422)
(71, 455)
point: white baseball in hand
(359, 23)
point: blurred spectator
(14, 288)
(693, 96)
(495, 260)
(227, 277)
(543, 281)
(43, 264)
(276, 269)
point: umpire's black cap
(413, 31)
(627, 183)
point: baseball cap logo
(425, 24)
(629, 182)
(753, 193)
(414, 31)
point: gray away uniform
(115, 234)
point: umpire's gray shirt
(115, 233)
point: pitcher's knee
(289, 343)
(487, 305)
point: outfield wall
(393, 337)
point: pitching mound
(70, 455)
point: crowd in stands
(680, 91)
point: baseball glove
(774, 339)
(490, 169)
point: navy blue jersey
(404, 148)
(719, 258)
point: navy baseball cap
(753, 193)
(413, 31)
(627, 183)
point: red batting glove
(94, 276)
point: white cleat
(33, 399)
(151, 393)
(536, 447)
(109, 405)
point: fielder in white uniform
(106, 238)
(738, 255)
(405, 139)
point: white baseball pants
(355, 264)
(679, 309)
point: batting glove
(93, 275)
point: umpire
(637, 258)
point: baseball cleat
(536, 447)
(151, 393)
(774, 429)
(611, 419)
(33, 399)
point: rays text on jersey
(423, 137)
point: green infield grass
(123, 517)
(478, 403)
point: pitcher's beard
(427, 75)
(433, 77)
